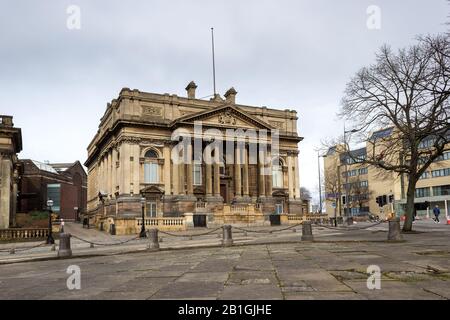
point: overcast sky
(56, 81)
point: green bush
(38, 215)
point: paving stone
(189, 290)
(204, 276)
(251, 292)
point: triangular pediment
(226, 116)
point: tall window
(422, 192)
(54, 193)
(151, 209)
(197, 174)
(277, 175)
(151, 167)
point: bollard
(91, 245)
(12, 251)
(349, 221)
(227, 240)
(153, 244)
(294, 230)
(307, 231)
(394, 233)
(64, 246)
(53, 248)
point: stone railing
(28, 233)
(316, 218)
(163, 223)
(200, 205)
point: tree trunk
(410, 195)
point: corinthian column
(216, 179)
(189, 168)
(237, 172)
(245, 172)
(262, 182)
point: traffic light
(384, 200)
(343, 199)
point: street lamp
(346, 170)
(50, 239)
(143, 233)
(320, 182)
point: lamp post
(50, 239)
(320, 182)
(346, 170)
(143, 233)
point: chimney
(191, 90)
(230, 95)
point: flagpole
(214, 63)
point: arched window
(277, 174)
(151, 167)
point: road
(333, 268)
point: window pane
(54, 193)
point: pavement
(260, 266)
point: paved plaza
(260, 266)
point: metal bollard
(64, 246)
(227, 240)
(349, 221)
(307, 231)
(153, 244)
(394, 233)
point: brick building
(64, 183)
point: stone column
(136, 168)
(262, 182)
(269, 177)
(245, 172)
(5, 192)
(297, 178)
(14, 197)
(181, 173)
(208, 179)
(237, 172)
(126, 170)
(113, 171)
(216, 179)
(290, 175)
(189, 168)
(175, 177)
(166, 177)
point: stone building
(354, 188)
(10, 145)
(150, 150)
(64, 183)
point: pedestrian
(436, 212)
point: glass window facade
(441, 172)
(422, 192)
(54, 193)
(151, 173)
(441, 190)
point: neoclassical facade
(182, 155)
(10, 145)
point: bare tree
(408, 91)
(332, 184)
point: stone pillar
(166, 177)
(126, 170)
(245, 172)
(446, 210)
(290, 177)
(269, 177)
(394, 233)
(237, 172)
(262, 183)
(136, 168)
(175, 178)
(208, 179)
(297, 178)
(14, 197)
(113, 171)
(109, 173)
(189, 173)
(5, 192)
(181, 173)
(216, 179)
